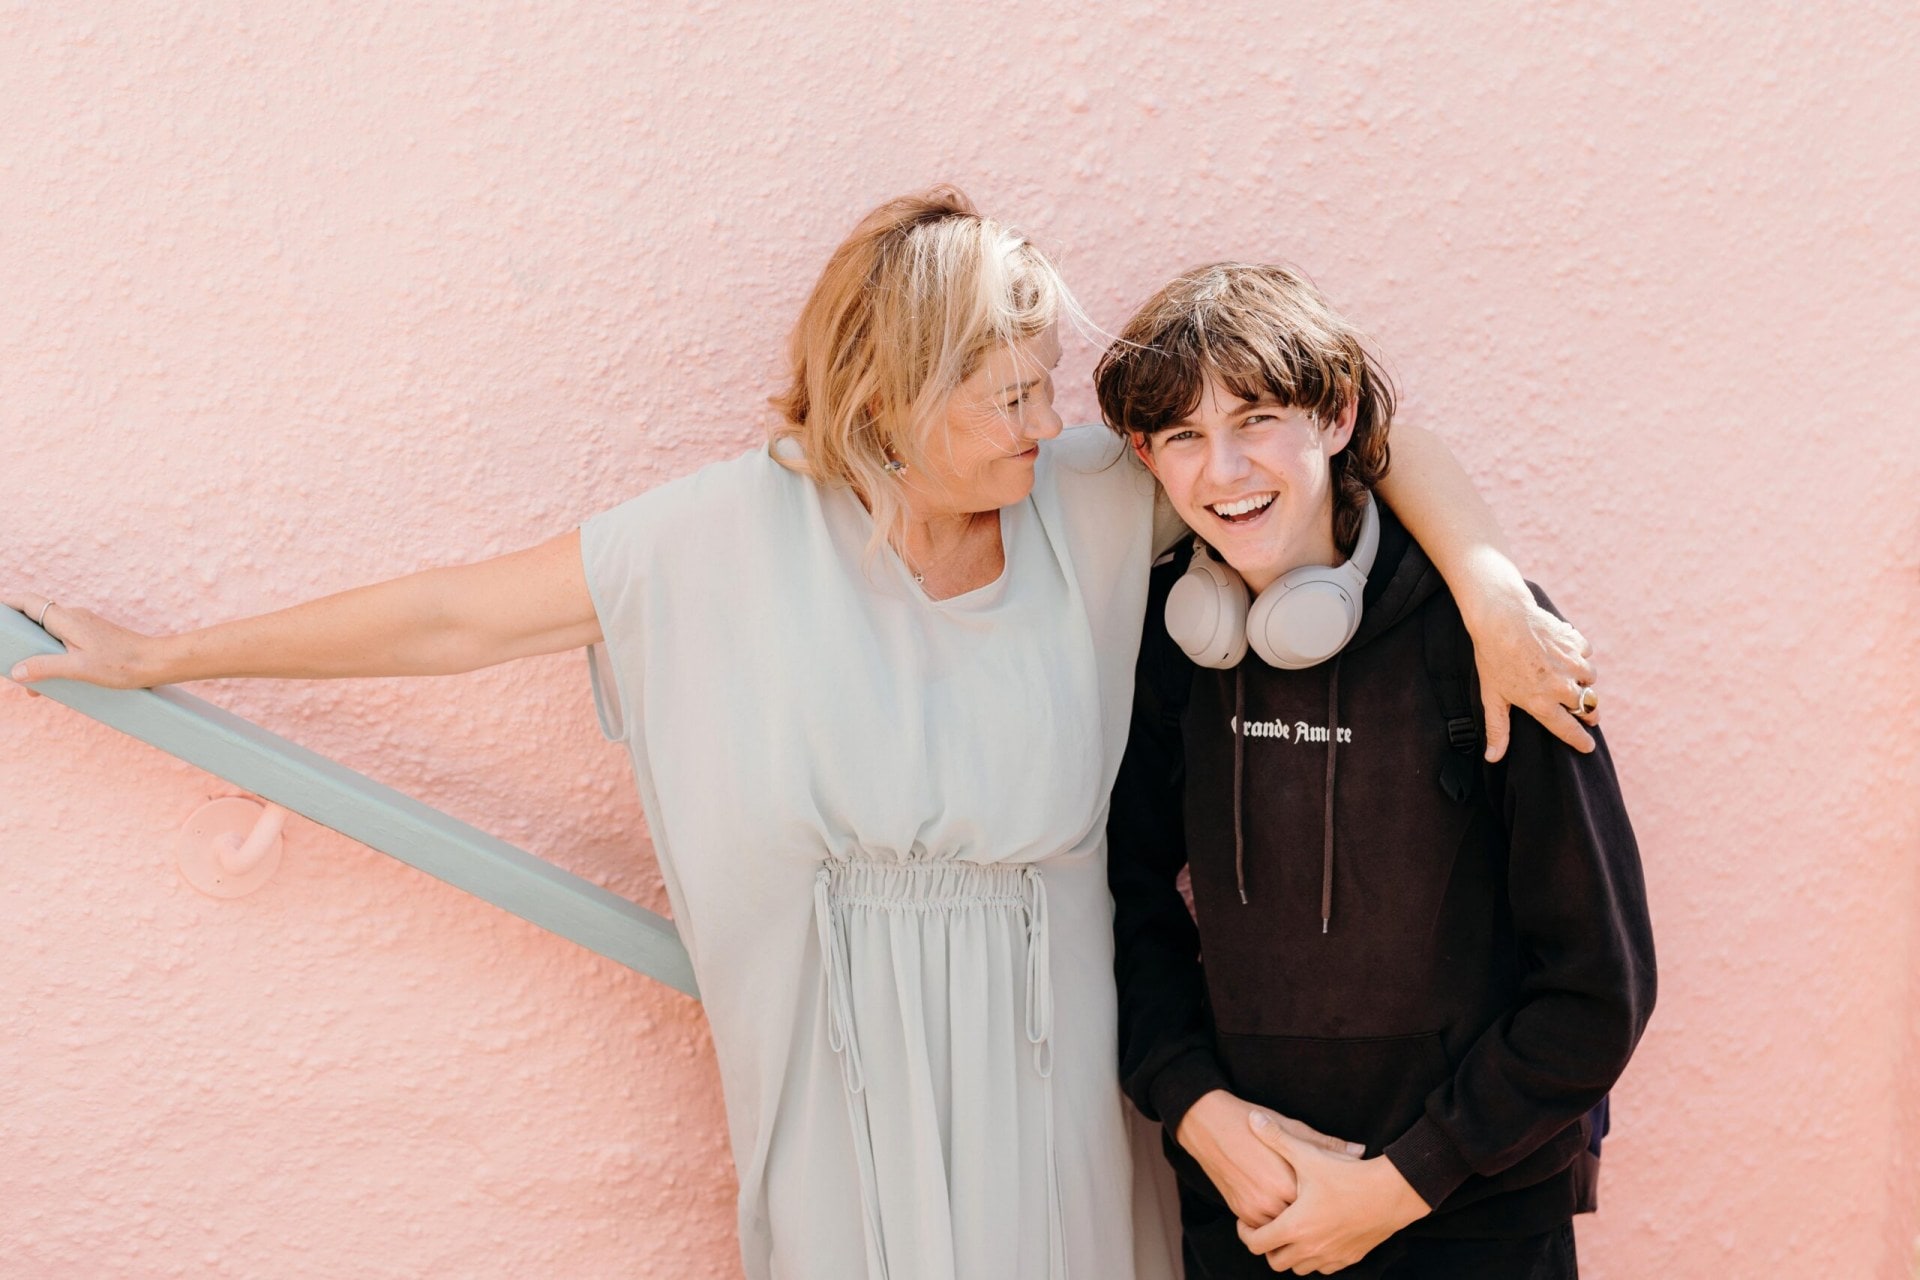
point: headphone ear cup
(1304, 618)
(1207, 613)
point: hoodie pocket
(1365, 1090)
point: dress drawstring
(838, 971)
(843, 1037)
(839, 974)
(1039, 975)
(1040, 1036)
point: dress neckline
(984, 596)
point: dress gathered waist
(846, 887)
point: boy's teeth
(1243, 506)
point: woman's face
(980, 454)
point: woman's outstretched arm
(437, 622)
(1527, 657)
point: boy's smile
(1253, 478)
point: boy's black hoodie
(1455, 983)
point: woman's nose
(1044, 424)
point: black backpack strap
(1449, 653)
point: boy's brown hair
(1260, 330)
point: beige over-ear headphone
(1301, 619)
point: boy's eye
(1174, 436)
(1252, 418)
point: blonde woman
(875, 683)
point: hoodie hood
(1402, 580)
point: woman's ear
(1143, 450)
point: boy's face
(1253, 479)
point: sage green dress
(880, 822)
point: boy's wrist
(1197, 1129)
(1399, 1203)
(1182, 1083)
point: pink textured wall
(295, 299)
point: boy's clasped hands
(1306, 1202)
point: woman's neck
(951, 553)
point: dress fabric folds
(880, 820)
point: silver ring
(41, 621)
(1589, 701)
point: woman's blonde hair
(905, 310)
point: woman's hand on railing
(98, 652)
(437, 622)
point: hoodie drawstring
(1333, 747)
(1239, 788)
(1239, 767)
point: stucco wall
(294, 298)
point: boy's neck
(1316, 546)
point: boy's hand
(1254, 1179)
(1342, 1209)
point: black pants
(1213, 1254)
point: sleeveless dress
(880, 821)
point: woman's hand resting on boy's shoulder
(1527, 657)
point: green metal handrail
(356, 806)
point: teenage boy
(1444, 961)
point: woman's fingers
(1574, 651)
(1558, 717)
(34, 608)
(1543, 667)
(1494, 712)
(1564, 725)
(1583, 702)
(45, 666)
(97, 651)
